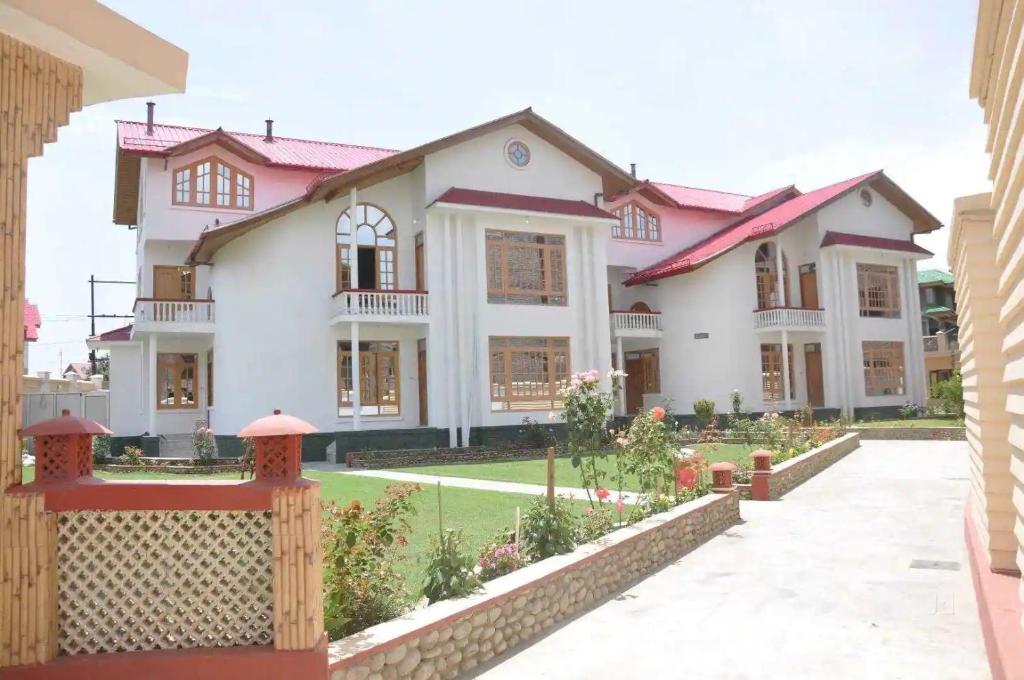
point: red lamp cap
(276, 425)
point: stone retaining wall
(912, 433)
(795, 471)
(455, 636)
(469, 454)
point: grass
(535, 471)
(480, 514)
(916, 422)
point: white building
(478, 273)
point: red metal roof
(838, 238)
(118, 334)
(541, 204)
(767, 223)
(705, 199)
(283, 151)
(32, 321)
(767, 196)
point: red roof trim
(117, 335)
(540, 204)
(838, 238)
(32, 321)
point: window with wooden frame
(771, 373)
(527, 373)
(636, 223)
(212, 183)
(878, 290)
(177, 381)
(767, 278)
(525, 268)
(375, 244)
(379, 386)
(209, 378)
(171, 282)
(884, 372)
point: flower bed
(454, 636)
(181, 466)
(795, 471)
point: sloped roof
(116, 335)
(937, 309)
(932, 276)
(838, 238)
(32, 321)
(693, 198)
(540, 204)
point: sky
(741, 96)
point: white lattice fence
(145, 580)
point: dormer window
(213, 183)
(636, 223)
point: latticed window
(636, 223)
(767, 278)
(375, 242)
(177, 380)
(379, 387)
(525, 268)
(212, 182)
(527, 373)
(883, 368)
(878, 290)
(771, 373)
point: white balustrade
(174, 311)
(789, 317)
(386, 304)
(636, 321)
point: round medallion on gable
(517, 153)
(866, 198)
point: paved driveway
(819, 585)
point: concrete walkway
(463, 482)
(819, 585)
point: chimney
(632, 169)
(149, 117)
(270, 130)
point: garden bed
(795, 471)
(397, 458)
(180, 466)
(455, 636)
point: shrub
(648, 451)
(950, 394)
(545, 532)
(703, 409)
(100, 449)
(361, 548)
(737, 403)
(533, 435)
(586, 411)
(450, 569)
(500, 557)
(203, 442)
(909, 411)
(132, 455)
(595, 524)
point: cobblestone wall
(455, 636)
(912, 433)
(794, 472)
(469, 454)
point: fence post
(551, 477)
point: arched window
(375, 238)
(766, 275)
(640, 308)
(212, 183)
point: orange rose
(658, 413)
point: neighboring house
(939, 324)
(81, 369)
(458, 295)
(32, 322)
(715, 285)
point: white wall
(127, 405)
(848, 214)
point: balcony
(940, 345)
(173, 316)
(380, 306)
(636, 324)
(789, 319)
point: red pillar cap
(65, 424)
(761, 453)
(723, 465)
(276, 425)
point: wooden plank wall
(298, 581)
(37, 94)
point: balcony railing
(789, 318)
(381, 305)
(636, 324)
(186, 315)
(940, 344)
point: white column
(780, 279)
(620, 362)
(459, 302)
(786, 368)
(357, 402)
(913, 355)
(451, 368)
(151, 372)
(353, 252)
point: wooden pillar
(37, 95)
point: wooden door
(809, 286)
(634, 382)
(173, 283)
(815, 382)
(421, 370)
(420, 278)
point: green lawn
(535, 471)
(916, 422)
(480, 514)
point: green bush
(950, 394)
(533, 435)
(545, 532)
(100, 449)
(450, 569)
(500, 557)
(361, 585)
(595, 524)
(909, 411)
(132, 455)
(704, 409)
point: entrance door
(421, 369)
(809, 286)
(815, 384)
(634, 382)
